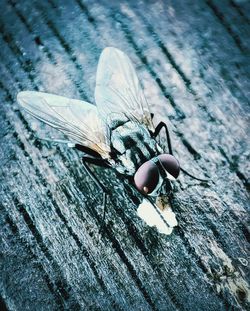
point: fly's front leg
(157, 131)
(95, 158)
(105, 191)
(97, 162)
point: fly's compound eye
(146, 177)
(171, 165)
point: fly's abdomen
(132, 146)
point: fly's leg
(192, 176)
(105, 191)
(91, 174)
(156, 133)
(96, 159)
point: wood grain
(193, 60)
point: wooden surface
(192, 59)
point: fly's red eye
(170, 164)
(146, 177)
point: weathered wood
(192, 59)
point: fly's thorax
(132, 145)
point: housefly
(117, 132)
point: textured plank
(192, 58)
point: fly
(117, 132)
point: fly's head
(153, 177)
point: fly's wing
(118, 91)
(78, 120)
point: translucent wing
(118, 90)
(77, 119)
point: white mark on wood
(147, 212)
